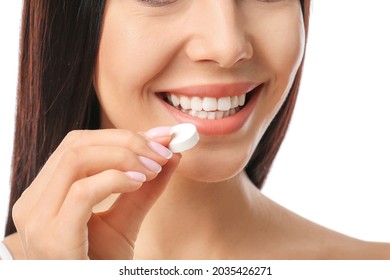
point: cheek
(128, 59)
(128, 55)
(280, 46)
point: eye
(156, 2)
(270, 1)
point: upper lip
(214, 90)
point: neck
(191, 218)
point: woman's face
(224, 65)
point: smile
(217, 109)
(210, 108)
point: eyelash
(157, 2)
(166, 2)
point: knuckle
(24, 217)
(74, 136)
(18, 213)
(71, 157)
(129, 136)
(80, 191)
(71, 137)
(115, 178)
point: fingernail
(160, 149)
(158, 132)
(150, 164)
(136, 176)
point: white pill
(184, 137)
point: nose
(218, 33)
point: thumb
(130, 209)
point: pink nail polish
(150, 164)
(136, 176)
(158, 132)
(160, 149)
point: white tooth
(196, 103)
(226, 114)
(224, 104)
(219, 115)
(185, 102)
(185, 111)
(211, 115)
(175, 100)
(210, 104)
(241, 99)
(232, 112)
(193, 113)
(234, 101)
(202, 115)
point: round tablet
(184, 137)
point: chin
(210, 169)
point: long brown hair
(265, 153)
(58, 49)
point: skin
(189, 210)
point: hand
(54, 215)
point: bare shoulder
(366, 250)
(295, 237)
(382, 249)
(14, 245)
(332, 245)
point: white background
(333, 167)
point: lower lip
(217, 127)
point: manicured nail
(150, 164)
(160, 149)
(136, 176)
(158, 132)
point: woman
(128, 71)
